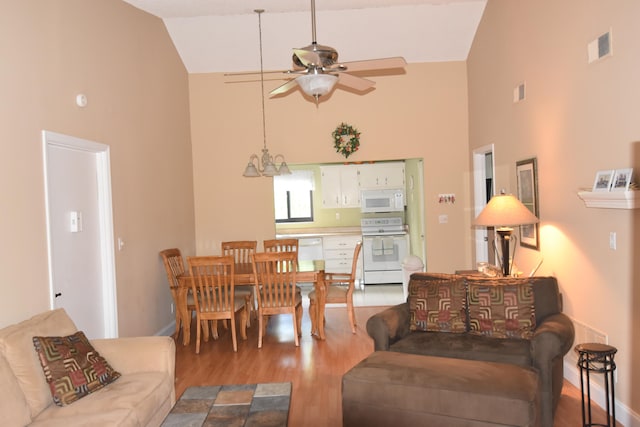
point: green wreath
(346, 139)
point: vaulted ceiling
(222, 35)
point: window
(293, 196)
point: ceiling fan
(318, 68)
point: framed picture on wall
(603, 180)
(527, 178)
(621, 179)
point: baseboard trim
(624, 414)
(168, 330)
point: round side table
(598, 358)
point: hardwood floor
(315, 368)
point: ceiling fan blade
(248, 73)
(284, 88)
(374, 64)
(308, 57)
(353, 82)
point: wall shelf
(611, 199)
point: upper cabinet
(376, 176)
(341, 184)
(340, 187)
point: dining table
(309, 271)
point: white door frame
(107, 254)
(480, 197)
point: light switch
(443, 219)
(613, 240)
(75, 221)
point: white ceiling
(222, 35)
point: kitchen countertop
(316, 232)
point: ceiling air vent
(600, 47)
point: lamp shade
(251, 171)
(505, 210)
(317, 84)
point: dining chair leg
(260, 329)
(234, 339)
(299, 319)
(176, 334)
(248, 304)
(204, 324)
(243, 323)
(198, 329)
(352, 317)
(295, 326)
(313, 316)
(214, 329)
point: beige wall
(137, 87)
(422, 114)
(576, 119)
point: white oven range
(385, 244)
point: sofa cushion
(501, 308)
(548, 299)
(16, 345)
(438, 304)
(388, 388)
(13, 405)
(72, 367)
(134, 400)
(466, 346)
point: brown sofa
(142, 396)
(542, 351)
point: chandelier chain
(264, 121)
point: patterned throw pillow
(438, 304)
(72, 367)
(503, 308)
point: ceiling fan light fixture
(317, 85)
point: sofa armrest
(139, 354)
(389, 326)
(553, 337)
(551, 340)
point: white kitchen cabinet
(338, 254)
(383, 175)
(340, 186)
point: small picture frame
(621, 179)
(527, 180)
(603, 180)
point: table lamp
(504, 212)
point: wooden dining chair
(280, 245)
(212, 282)
(174, 266)
(275, 278)
(241, 251)
(340, 287)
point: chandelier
(264, 165)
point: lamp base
(505, 234)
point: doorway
(483, 190)
(80, 232)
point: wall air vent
(600, 47)
(518, 93)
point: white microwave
(387, 200)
